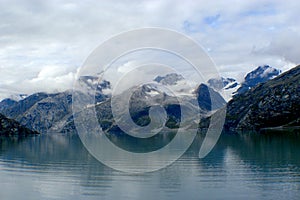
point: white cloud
(239, 34)
(127, 67)
(51, 71)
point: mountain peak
(169, 79)
(220, 83)
(259, 75)
(274, 103)
(208, 99)
(262, 72)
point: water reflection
(56, 166)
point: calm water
(245, 166)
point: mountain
(271, 104)
(176, 84)
(208, 99)
(6, 104)
(148, 96)
(169, 79)
(139, 108)
(53, 112)
(259, 75)
(228, 86)
(92, 84)
(17, 109)
(44, 112)
(222, 83)
(9, 127)
(40, 111)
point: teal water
(244, 166)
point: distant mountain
(9, 127)
(169, 79)
(228, 86)
(17, 109)
(270, 104)
(39, 111)
(92, 82)
(259, 75)
(47, 113)
(17, 97)
(146, 96)
(6, 104)
(44, 112)
(208, 99)
(222, 83)
(149, 95)
(261, 101)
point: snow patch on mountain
(226, 86)
(260, 75)
(175, 85)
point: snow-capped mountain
(227, 86)
(94, 86)
(259, 75)
(230, 87)
(274, 103)
(176, 84)
(169, 79)
(53, 112)
(219, 84)
(48, 112)
(92, 82)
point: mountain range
(47, 113)
(274, 103)
(231, 87)
(9, 127)
(259, 75)
(249, 108)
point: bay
(241, 166)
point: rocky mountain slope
(9, 127)
(259, 75)
(271, 104)
(53, 112)
(228, 86)
(231, 87)
(222, 83)
(44, 112)
(169, 79)
(147, 96)
(208, 99)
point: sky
(43, 43)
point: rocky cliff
(271, 104)
(44, 112)
(260, 75)
(47, 113)
(9, 127)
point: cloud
(239, 35)
(127, 67)
(285, 44)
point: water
(245, 166)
